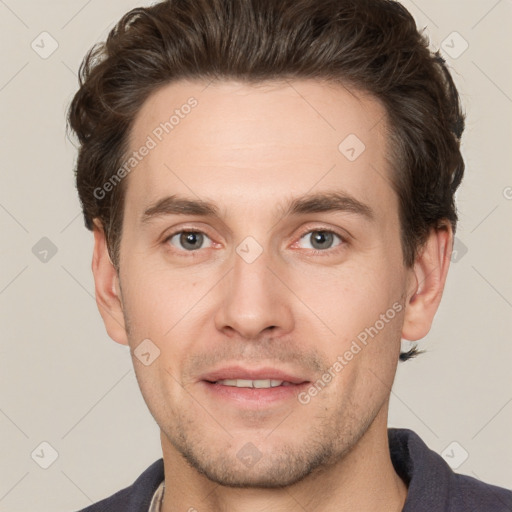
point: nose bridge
(250, 265)
(254, 300)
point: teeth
(260, 383)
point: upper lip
(239, 372)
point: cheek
(363, 355)
(166, 308)
(155, 299)
(160, 389)
(363, 315)
(351, 297)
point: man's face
(263, 293)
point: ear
(427, 280)
(106, 280)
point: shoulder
(137, 497)
(433, 486)
(472, 494)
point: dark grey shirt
(432, 485)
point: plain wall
(64, 382)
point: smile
(259, 383)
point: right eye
(189, 240)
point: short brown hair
(371, 45)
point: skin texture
(250, 149)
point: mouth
(257, 383)
(252, 388)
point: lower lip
(253, 396)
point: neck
(363, 480)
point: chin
(249, 468)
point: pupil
(190, 240)
(321, 238)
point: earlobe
(106, 283)
(428, 278)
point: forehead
(228, 140)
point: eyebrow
(309, 203)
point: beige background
(64, 382)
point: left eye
(321, 239)
(189, 240)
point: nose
(255, 300)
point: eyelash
(315, 252)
